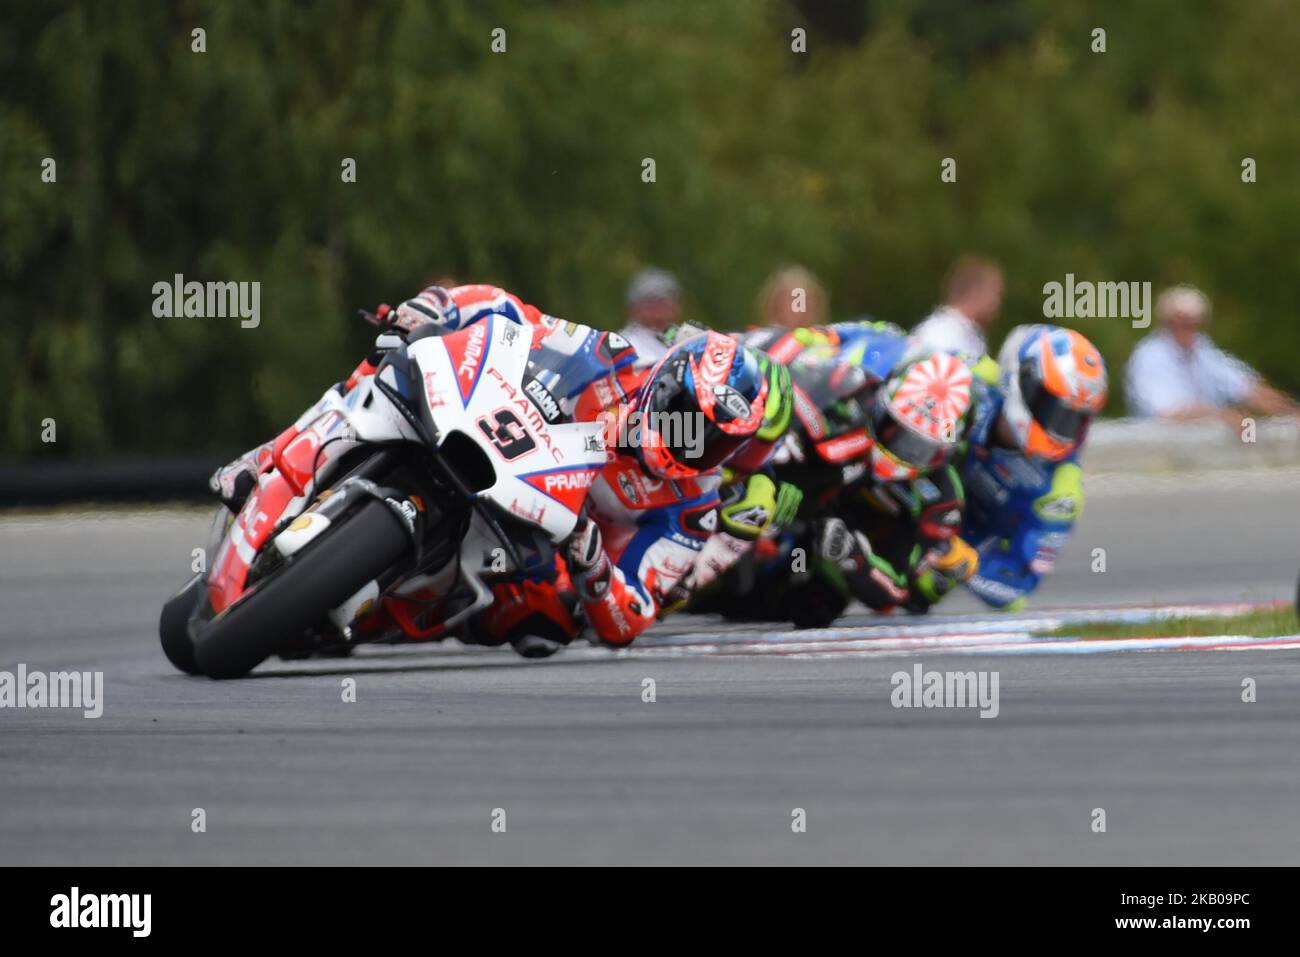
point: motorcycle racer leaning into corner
(1024, 484)
(876, 428)
(753, 501)
(647, 513)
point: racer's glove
(404, 320)
(753, 506)
(747, 507)
(946, 565)
(434, 307)
(788, 499)
(588, 564)
(678, 597)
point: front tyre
(299, 595)
(173, 626)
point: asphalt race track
(746, 726)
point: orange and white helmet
(1053, 382)
(919, 417)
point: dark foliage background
(524, 168)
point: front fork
(411, 511)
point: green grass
(1263, 623)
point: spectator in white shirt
(654, 303)
(1177, 373)
(972, 300)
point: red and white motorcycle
(461, 458)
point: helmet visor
(673, 426)
(903, 444)
(1057, 418)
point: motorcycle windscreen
(827, 381)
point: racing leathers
(639, 533)
(232, 483)
(753, 502)
(653, 531)
(859, 535)
(1020, 510)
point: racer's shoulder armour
(1004, 487)
(986, 369)
(584, 370)
(1063, 500)
(875, 347)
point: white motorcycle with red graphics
(384, 517)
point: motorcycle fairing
(474, 384)
(334, 425)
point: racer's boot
(756, 588)
(535, 617)
(233, 483)
(615, 610)
(824, 594)
(844, 557)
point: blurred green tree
(524, 167)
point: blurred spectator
(792, 297)
(972, 300)
(653, 305)
(1177, 373)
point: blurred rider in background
(1022, 478)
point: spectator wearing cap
(1177, 373)
(792, 298)
(654, 304)
(972, 300)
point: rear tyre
(535, 646)
(817, 603)
(173, 626)
(298, 596)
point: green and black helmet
(776, 417)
